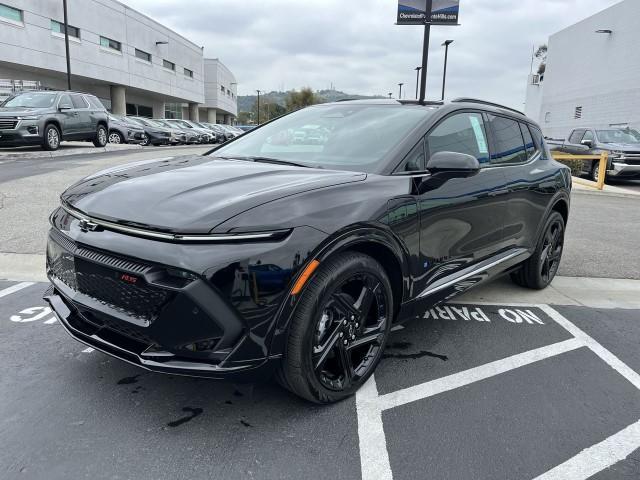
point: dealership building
(132, 63)
(592, 74)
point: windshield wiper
(266, 160)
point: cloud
(356, 45)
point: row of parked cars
(48, 117)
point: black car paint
(400, 220)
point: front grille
(8, 123)
(98, 275)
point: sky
(356, 46)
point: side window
(95, 103)
(589, 136)
(576, 135)
(529, 144)
(414, 161)
(460, 133)
(65, 101)
(509, 143)
(538, 137)
(78, 101)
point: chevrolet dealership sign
(412, 12)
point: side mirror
(453, 164)
(587, 143)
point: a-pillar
(212, 115)
(193, 112)
(118, 100)
(158, 109)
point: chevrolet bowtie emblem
(87, 226)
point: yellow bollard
(602, 171)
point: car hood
(192, 194)
(20, 111)
(624, 147)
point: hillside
(245, 102)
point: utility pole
(258, 106)
(390, 94)
(417, 79)
(425, 50)
(400, 95)
(446, 54)
(66, 43)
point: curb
(65, 152)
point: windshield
(179, 122)
(343, 137)
(32, 100)
(619, 136)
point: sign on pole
(443, 12)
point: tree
(297, 100)
(541, 54)
(269, 109)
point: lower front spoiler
(262, 370)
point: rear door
(461, 219)
(83, 113)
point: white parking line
(374, 455)
(595, 459)
(461, 379)
(15, 288)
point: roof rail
(425, 102)
(483, 102)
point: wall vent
(578, 114)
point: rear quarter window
(509, 143)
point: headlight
(29, 117)
(617, 153)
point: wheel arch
(54, 121)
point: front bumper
(624, 170)
(24, 132)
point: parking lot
(486, 388)
(468, 391)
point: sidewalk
(608, 190)
(66, 148)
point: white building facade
(132, 63)
(592, 76)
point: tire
(116, 137)
(145, 141)
(595, 168)
(51, 138)
(538, 271)
(339, 329)
(101, 138)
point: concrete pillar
(158, 109)
(212, 115)
(227, 119)
(193, 112)
(118, 100)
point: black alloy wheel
(101, 137)
(339, 330)
(539, 270)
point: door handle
(497, 193)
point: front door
(69, 118)
(461, 219)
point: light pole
(258, 106)
(417, 79)
(446, 54)
(400, 95)
(390, 94)
(66, 43)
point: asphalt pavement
(483, 388)
(514, 392)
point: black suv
(273, 256)
(47, 117)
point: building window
(188, 73)
(110, 44)
(57, 27)
(169, 65)
(143, 55)
(10, 13)
(173, 110)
